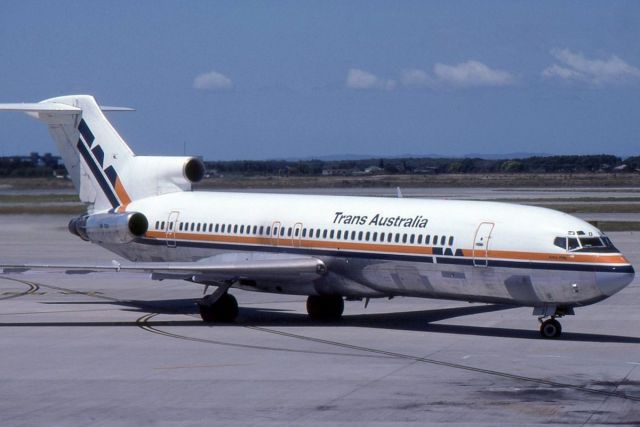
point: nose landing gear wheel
(550, 328)
(225, 309)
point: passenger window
(382, 237)
(404, 238)
(419, 239)
(268, 231)
(198, 227)
(193, 226)
(435, 240)
(162, 225)
(360, 235)
(304, 232)
(427, 239)
(223, 228)
(339, 234)
(217, 227)
(389, 237)
(296, 232)
(353, 235)
(331, 234)
(412, 239)
(261, 230)
(375, 236)
(241, 229)
(366, 237)
(157, 225)
(443, 240)
(235, 229)
(282, 231)
(451, 241)
(397, 237)
(171, 226)
(318, 233)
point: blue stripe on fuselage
(395, 257)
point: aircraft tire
(224, 310)
(550, 328)
(325, 307)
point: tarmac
(117, 349)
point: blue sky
(257, 80)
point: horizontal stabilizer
(52, 107)
(35, 107)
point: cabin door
(170, 230)
(275, 232)
(481, 244)
(297, 235)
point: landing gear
(325, 307)
(224, 309)
(550, 328)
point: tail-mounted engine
(109, 227)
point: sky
(231, 80)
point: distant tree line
(538, 164)
(35, 165)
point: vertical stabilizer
(90, 147)
(104, 170)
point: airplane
(328, 248)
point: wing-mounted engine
(155, 175)
(110, 227)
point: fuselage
(375, 247)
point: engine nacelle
(155, 175)
(110, 227)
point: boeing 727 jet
(327, 248)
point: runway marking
(33, 288)
(555, 384)
(143, 323)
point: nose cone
(611, 282)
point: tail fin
(101, 165)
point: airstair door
(481, 243)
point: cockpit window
(573, 244)
(591, 242)
(560, 242)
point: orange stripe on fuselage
(390, 248)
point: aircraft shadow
(419, 321)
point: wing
(223, 267)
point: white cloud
(575, 67)
(472, 73)
(364, 80)
(212, 80)
(416, 78)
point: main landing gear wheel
(550, 328)
(225, 309)
(325, 307)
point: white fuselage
(374, 247)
